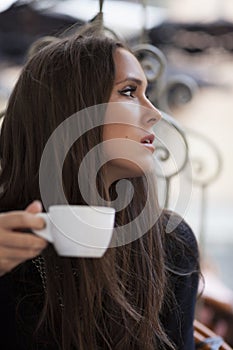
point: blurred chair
(205, 339)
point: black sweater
(177, 320)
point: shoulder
(180, 242)
(175, 226)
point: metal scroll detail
(166, 90)
(207, 164)
(172, 156)
(154, 64)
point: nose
(151, 114)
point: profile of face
(128, 130)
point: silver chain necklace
(39, 263)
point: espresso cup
(78, 230)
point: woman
(140, 295)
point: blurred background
(191, 79)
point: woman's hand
(17, 246)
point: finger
(21, 219)
(6, 265)
(21, 240)
(34, 207)
(18, 254)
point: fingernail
(37, 202)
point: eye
(128, 91)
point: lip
(150, 137)
(149, 146)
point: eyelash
(130, 90)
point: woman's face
(129, 122)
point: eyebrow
(137, 81)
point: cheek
(114, 145)
(118, 131)
(110, 132)
(123, 115)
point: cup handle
(45, 232)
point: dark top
(177, 321)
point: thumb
(34, 207)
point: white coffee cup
(78, 230)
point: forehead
(126, 64)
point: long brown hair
(109, 303)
